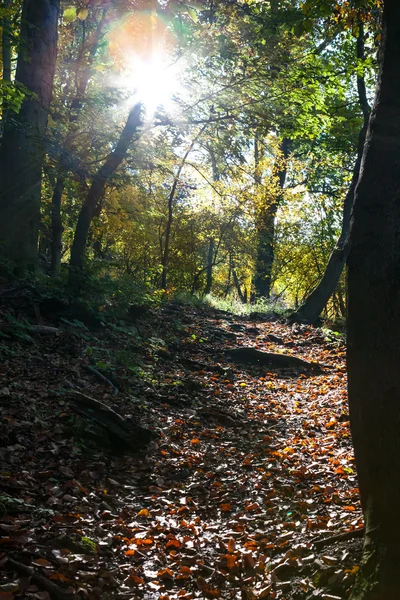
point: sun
(142, 49)
(154, 82)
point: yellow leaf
(144, 513)
(69, 14)
(82, 13)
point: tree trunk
(82, 80)
(6, 43)
(92, 202)
(315, 303)
(374, 328)
(266, 227)
(22, 151)
(171, 197)
(210, 264)
(56, 226)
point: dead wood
(252, 356)
(103, 378)
(339, 537)
(55, 591)
(124, 433)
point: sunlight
(142, 49)
(154, 82)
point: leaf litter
(249, 480)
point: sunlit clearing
(142, 49)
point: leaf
(165, 574)
(70, 14)
(226, 507)
(41, 562)
(192, 14)
(82, 14)
(144, 513)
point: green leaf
(70, 14)
(192, 14)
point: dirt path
(251, 466)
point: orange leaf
(226, 507)
(59, 577)
(231, 545)
(165, 574)
(195, 442)
(42, 562)
(130, 552)
(174, 543)
(350, 508)
(143, 513)
(230, 560)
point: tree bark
(6, 43)
(92, 203)
(22, 151)
(374, 327)
(266, 227)
(315, 303)
(210, 264)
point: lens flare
(141, 47)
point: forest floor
(241, 495)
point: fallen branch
(125, 434)
(339, 537)
(103, 378)
(53, 589)
(252, 356)
(45, 330)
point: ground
(249, 477)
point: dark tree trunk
(315, 303)
(266, 226)
(374, 327)
(210, 264)
(242, 296)
(92, 203)
(6, 43)
(56, 225)
(83, 72)
(22, 151)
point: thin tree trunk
(236, 281)
(315, 303)
(22, 150)
(93, 199)
(82, 80)
(171, 197)
(373, 355)
(210, 264)
(266, 226)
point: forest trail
(253, 465)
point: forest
(199, 299)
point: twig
(52, 588)
(103, 378)
(339, 537)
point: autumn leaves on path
(252, 467)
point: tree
(316, 301)
(92, 203)
(374, 327)
(23, 143)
